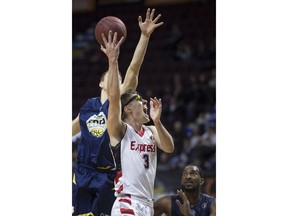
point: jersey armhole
(118, 145)
(149, 128)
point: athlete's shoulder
(95, 104)
(164, 199)
(147, 127)
(93, 100)
(163, 202)
(205, 198)
(90, 101)
(208, 196)
(150, 128)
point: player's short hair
(201, 173)
(104, 73)
(125, 98)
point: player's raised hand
(185, 207)
(111, 48)
(155, 109)
(150, 24)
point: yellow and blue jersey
(94, 147)
(94, 172)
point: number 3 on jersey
(146, 161)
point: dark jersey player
(93, 177)
(189, 201)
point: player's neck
(135, 125)
(193, 196)
(103, 96)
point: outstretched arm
(162, 136)
(147, 27)
(114, 122)
(75, 126)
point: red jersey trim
(126, 211)
(141, 133)
(125, 200)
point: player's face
(139, 107)
(191, 178)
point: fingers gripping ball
(110, 23)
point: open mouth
(188, 183)
(145, 110)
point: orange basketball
(110, 23)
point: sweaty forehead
(191, 169)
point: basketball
(110, 23)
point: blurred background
(179, 67)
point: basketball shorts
(92, 192)
(127, 205)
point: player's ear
(201, 181)
(127, 109)
(101, 84)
